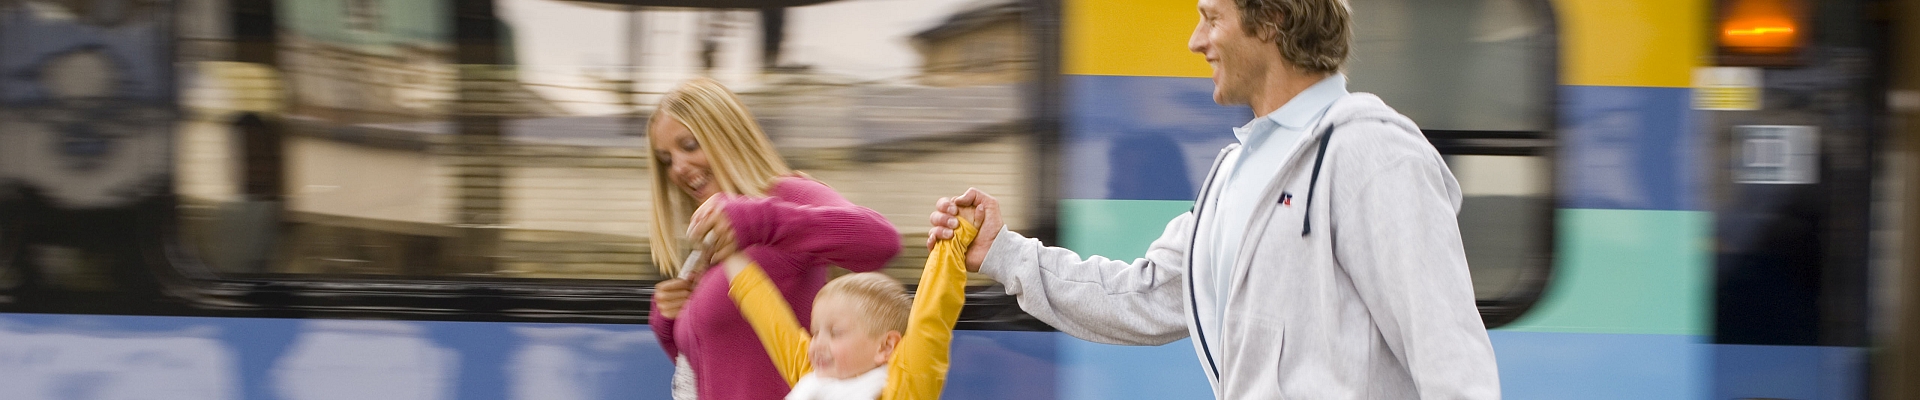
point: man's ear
(1267, 31)
(888, 344)
(1266, 27)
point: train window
(1479, 65)
(1479, 78)
(505, 139)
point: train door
(1793, 125)
(1897, 283)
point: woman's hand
(712, 231)
(671, 296)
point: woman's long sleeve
(808, 218)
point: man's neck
(1282, 88)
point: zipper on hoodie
(1193, 297)
(1199, 211)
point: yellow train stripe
(1651, 43)
(1130, 38)
(1654, 43)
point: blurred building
(985, 43)
(384, 165)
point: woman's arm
(663, 332)
(669, 297)
(807, 217)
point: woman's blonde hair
(742, 159)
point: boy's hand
(734, 264)
(984, 211)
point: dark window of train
(1479, 78)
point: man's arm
(1097, 299)
(1399, 240)
(1093, 299)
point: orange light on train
(1760, 32)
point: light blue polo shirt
(1265, 143)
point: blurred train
(447, 199)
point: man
(1322, 259)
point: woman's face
(686, 162)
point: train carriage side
(1648, 266)
(274, 199)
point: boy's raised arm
(772, 319)
(919, 366)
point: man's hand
(671, 296)
(711, 231)
(945, 216)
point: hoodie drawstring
(1306, 220)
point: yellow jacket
(918, 369)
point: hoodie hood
(1360, 106)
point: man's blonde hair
(743, 160)
(1314, 35)
(876, 295)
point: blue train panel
(56, 356)
(1631, 148)
(1142, 138)
(1574, 366)
(1789, 372)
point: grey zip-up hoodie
(1356, 288)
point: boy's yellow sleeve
(773, 321)
(919, 366)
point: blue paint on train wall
(1004, 365)
(1631, 148)
(49, 356)
(1533, 365)
(1577, 366)
(1788, 372)
(1093, 371)
(52, 356)
(1143, 138)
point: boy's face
(845, 344)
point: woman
(709, 154)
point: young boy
(867, 341)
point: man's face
(1239, 59)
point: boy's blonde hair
(744, 162)
(874, 294)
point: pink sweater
(795, 233)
